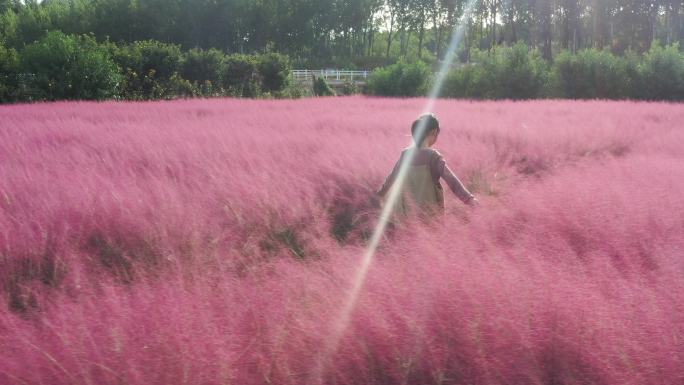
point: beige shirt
(438, 169)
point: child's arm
(454, 183)
(390, 179)
(457, 187)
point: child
(422, 182)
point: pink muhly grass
(214, 241)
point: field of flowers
(207, 242)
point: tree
(274, 69)
(634, 21)
(9, 68)
(543, 11)
(570, 12)
(673, 21)
(6, 5)
(70, 67)
(391, 9)
(344, 32)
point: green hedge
(400, 79)
(519, 73)
(591, 74)
(322, 88)
(274, 69)
(61, 66)
(9, 69)
(69, 67)
(662, 74)
(658, 75)
(241, 76)
(204, 69)
(149, 67)
(504, 73)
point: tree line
(78, 67)
(353, 33)
(516, 72)
(512, 49)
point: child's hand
(473, 202)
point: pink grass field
(215, 242)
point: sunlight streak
(395, 192)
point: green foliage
(662, 73)
(350, 88)
(631, 64)
(515, 73)
(63, 66)
(204, 68)
(4, 5)
(9, 69)
(503, 73)
(240, 77)
(31, 22)
(400, 79)
(469, 81)
(522, 74)
(8, 27)
(147, 55)
(274, 69)
(590, 74)
(295, 91)
(348, 34)
(322, 88)
(372, 62)
(176, 86)
(148, 66)
(70, 67)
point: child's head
(425, 130)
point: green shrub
(295, 91)
(207, 88)
(8, 27)
(274, 70)
(176, 86)
(321, 87)
(350, 88)
(202, 66)
(469, 81)
(400, 79)
(70, 67)
(148, 67)
(478, 79)
(9, 69)
(662, 73)
(503, 73)
(590, 74)
(30, 23)
(163, 58)
(240, 76)
(631, 64)
(372, 62)
(522, 74)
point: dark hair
(423, 126)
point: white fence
(331, 75)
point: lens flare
(342, 321)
